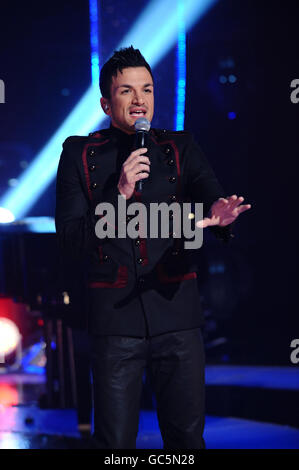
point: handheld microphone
(142, 127)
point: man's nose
(138, 98)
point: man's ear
(105, 106)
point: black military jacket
(142, 286)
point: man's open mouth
(138, 112)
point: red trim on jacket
(97, 135)
(121, 280)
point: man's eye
(148, 90)
(125, 91)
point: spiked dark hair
(121, 59)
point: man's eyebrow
(130, 86)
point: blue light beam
(155, 31)
(94, 42)
(180, 67)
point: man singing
(143, 300)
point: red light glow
(9, 336)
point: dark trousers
(176, 362)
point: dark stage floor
(23, 425)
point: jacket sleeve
(204, 186)
(74, 216)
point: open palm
(224, 211)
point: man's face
(132, 97)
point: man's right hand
(135, 168)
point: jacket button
(93, 186)
(92, 167)
(174, 253)
(167, 150)
(91, 152)
(105, 258)
(137, 242)
(170, 161)
(141, 281)
(139, 260)
(173, 198)
(172, 179)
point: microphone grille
(142, 124)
